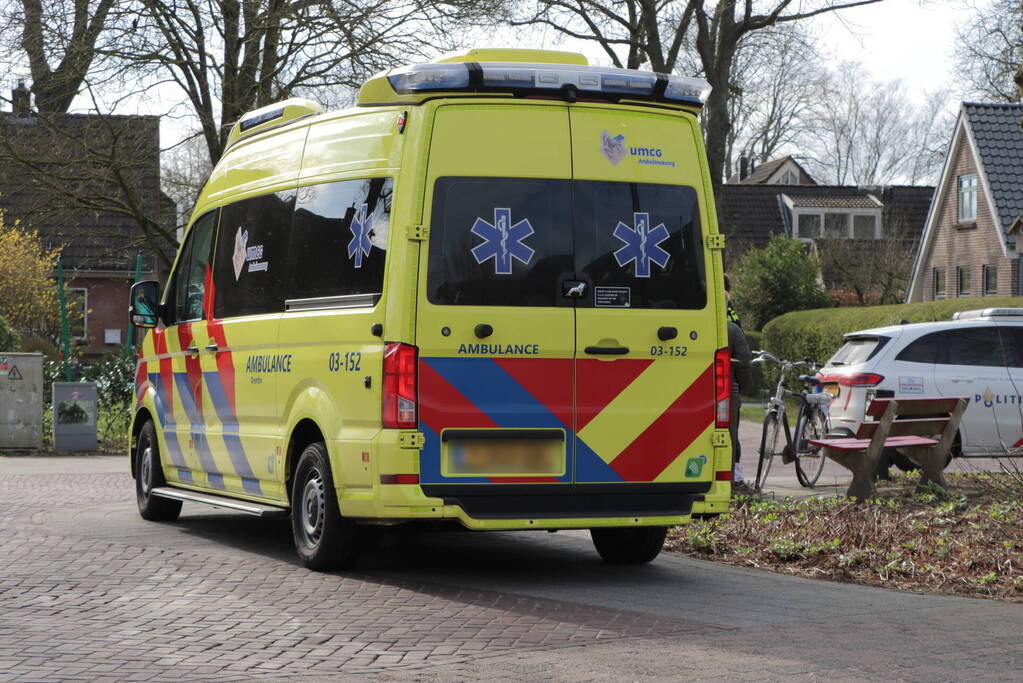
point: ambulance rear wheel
(148, 476)
(323, 539)
(635, 545)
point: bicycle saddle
(809, 379)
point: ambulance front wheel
(148, 476)
(633, 545)
(323, 539)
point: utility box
(75, 408)
(21, 400)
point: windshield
(513, 241)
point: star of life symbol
(641, 244)
(360, 227)
(502, 241)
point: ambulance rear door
(646, 330)
(495, 334)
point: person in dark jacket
(742, 379)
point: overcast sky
(911, 40)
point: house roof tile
(999, 138)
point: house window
(939, 283)
(963, 277)
(808, 226)
(968, 197)
(789, 178)
(836, 225)
(991, 279)
(864, 227)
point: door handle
(193, 350)
(212, 348)
(667, 333)
(607, 350)
(482, 331)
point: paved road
(88, 590)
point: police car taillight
(527, 78)
(401, 387)
(856, 379)
(722, 388)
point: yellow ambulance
(490, 293)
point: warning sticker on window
(612, 297)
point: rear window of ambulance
(513, 241)
(499, 241)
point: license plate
(500, 457)
(831, 389)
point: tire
(149, 475)
(324, 540)
(809, 459)
(636, 545)
(768, 447)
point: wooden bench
(925, 438)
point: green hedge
(818, 333)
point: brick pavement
(89, 591)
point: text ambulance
(490, 293)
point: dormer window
(789, 177)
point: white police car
(978, 354)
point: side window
(339, 239)
(251, 260)
(499, 241)
(923, 350)
(972, 346)
(1012, 342)
(189, 291)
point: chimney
(743, 167)
(21, 97)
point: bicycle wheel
(768, 447)
(809, 459)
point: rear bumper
(561, 501)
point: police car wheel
(323, 539)
(149, 475)
(636, 545)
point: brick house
(58, 175)
(969, 245)
(749, 213)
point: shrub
(818, 333)
(8, 337)
(779, 278)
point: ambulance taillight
(401, 388)
(722, 387)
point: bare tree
(184, 169)
(58, 41)
(873, 270)
(989, 50)
(655, 33)
(778, 73)
(232, 56)
(870, 133)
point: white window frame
(967, 198)
(819, 213)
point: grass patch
(965, 542)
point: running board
(246, 506)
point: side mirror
(144, 304)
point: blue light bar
(555, 78)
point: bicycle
(811, 423)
